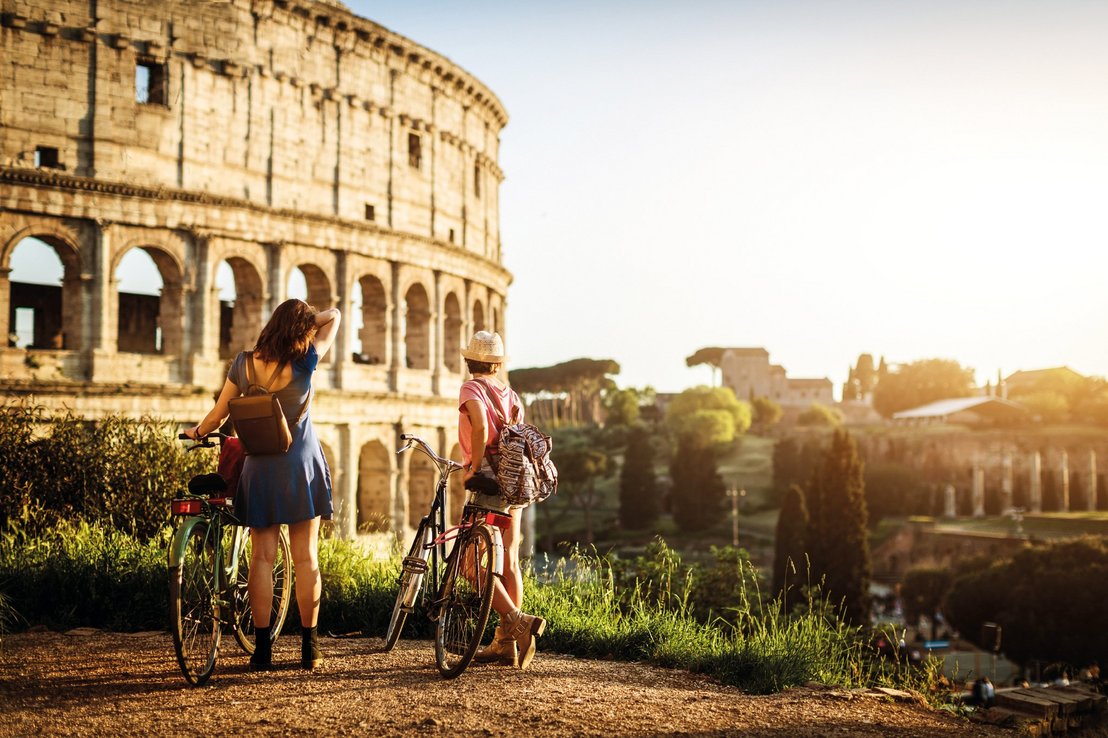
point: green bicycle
(209, 566)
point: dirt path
(95, 683)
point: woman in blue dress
(293, 488)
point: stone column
(978, 490)
(1035, 488)
(202, 338)
(400, 490)
(103, 305)
(346, 484)
(6, 304)
(950, 502)
(1006, 485)
(437, 351)
(1090, 485)
(278, 286)
(343, 352)
(1064, 495)
(396, 345)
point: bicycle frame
(212, 513)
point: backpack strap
(496, 405)
(251, 380)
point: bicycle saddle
(203, 484)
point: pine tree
(790, 563)
(638, 487)
(698, 489)
(837, 541)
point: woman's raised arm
(328, 322)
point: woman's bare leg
(259, 586)
(304, 542)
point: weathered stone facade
(270, 136)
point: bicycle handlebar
(206, 441)
(411, 440)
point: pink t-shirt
(506, 398)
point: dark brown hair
(288, 333)
(480, 367)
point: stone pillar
(346, 483)
(1006, 485)
(202, 337)
(396, 345)
(6, 304)
(978, 490)
(400, 489)
(278, 286)
(105, 295)
(1090, 485)
(1064, 494)
(1035, 488)
(342, 351)
(950, 502)
(436, 324)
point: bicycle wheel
(464, 601)
(282, 591)
(413, 568)
(194, 606)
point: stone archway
(455, 491)
(478, 316)
(374, 489)
(421, 487)
(417, 328)
(373, 333)
(452, 333)
(57, 318)
(140, 318)
(241, 316)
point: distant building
(978, 410)
(749, 374)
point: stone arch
(417, 328)
(478, 316)
(496, 323)
(452, 333)
(374, 489)
(421, 487)
(57, 308)
(455, 490)
(374, 334)
(320, 293)
(138, 319)
(240, 319)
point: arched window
(371, 326)
(35, 309)
(240, 306)
(140, 286)
(452, 334)
(417, 328)
(421, 487)
(374, 489)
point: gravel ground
(89, 682)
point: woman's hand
(193, 432)
(469, 473)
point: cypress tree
(837, 541)
(638, 488)
(698, 490)
(790, 564)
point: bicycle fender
(180, 539)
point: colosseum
(242, 152)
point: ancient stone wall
(265, 137)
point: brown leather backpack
(258, 417)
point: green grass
(89, 575)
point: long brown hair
(288, 333)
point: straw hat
(486, 347)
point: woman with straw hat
(479, 425)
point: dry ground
(89, 682)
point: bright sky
(909, 178)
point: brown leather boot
(526, 629)
(502, 650)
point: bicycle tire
(194, 606)
(463, 604)
(410, 576)
(282, 593)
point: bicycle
(208, 567)
(462, 580)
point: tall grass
(92, 575)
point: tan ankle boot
(502, 650)
(526, 629)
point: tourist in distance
(291, 488)
(479, 427)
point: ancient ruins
(252, 139)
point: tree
(698, 489)
(639, 500)
(712, 356)
(580, 464)
(790, 561)
(766, 413)
(622, 406)
(920, 382)
(838, 543)
(923, 591)
(794, 462)
(819, 415)
(861, 379)
(709, 415)
(565, 394)
(894, 489)
(1049, 599)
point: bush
(117, 471)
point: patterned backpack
(524, 470)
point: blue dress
(293, 486)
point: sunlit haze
(911, 179)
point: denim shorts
(481, 487)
